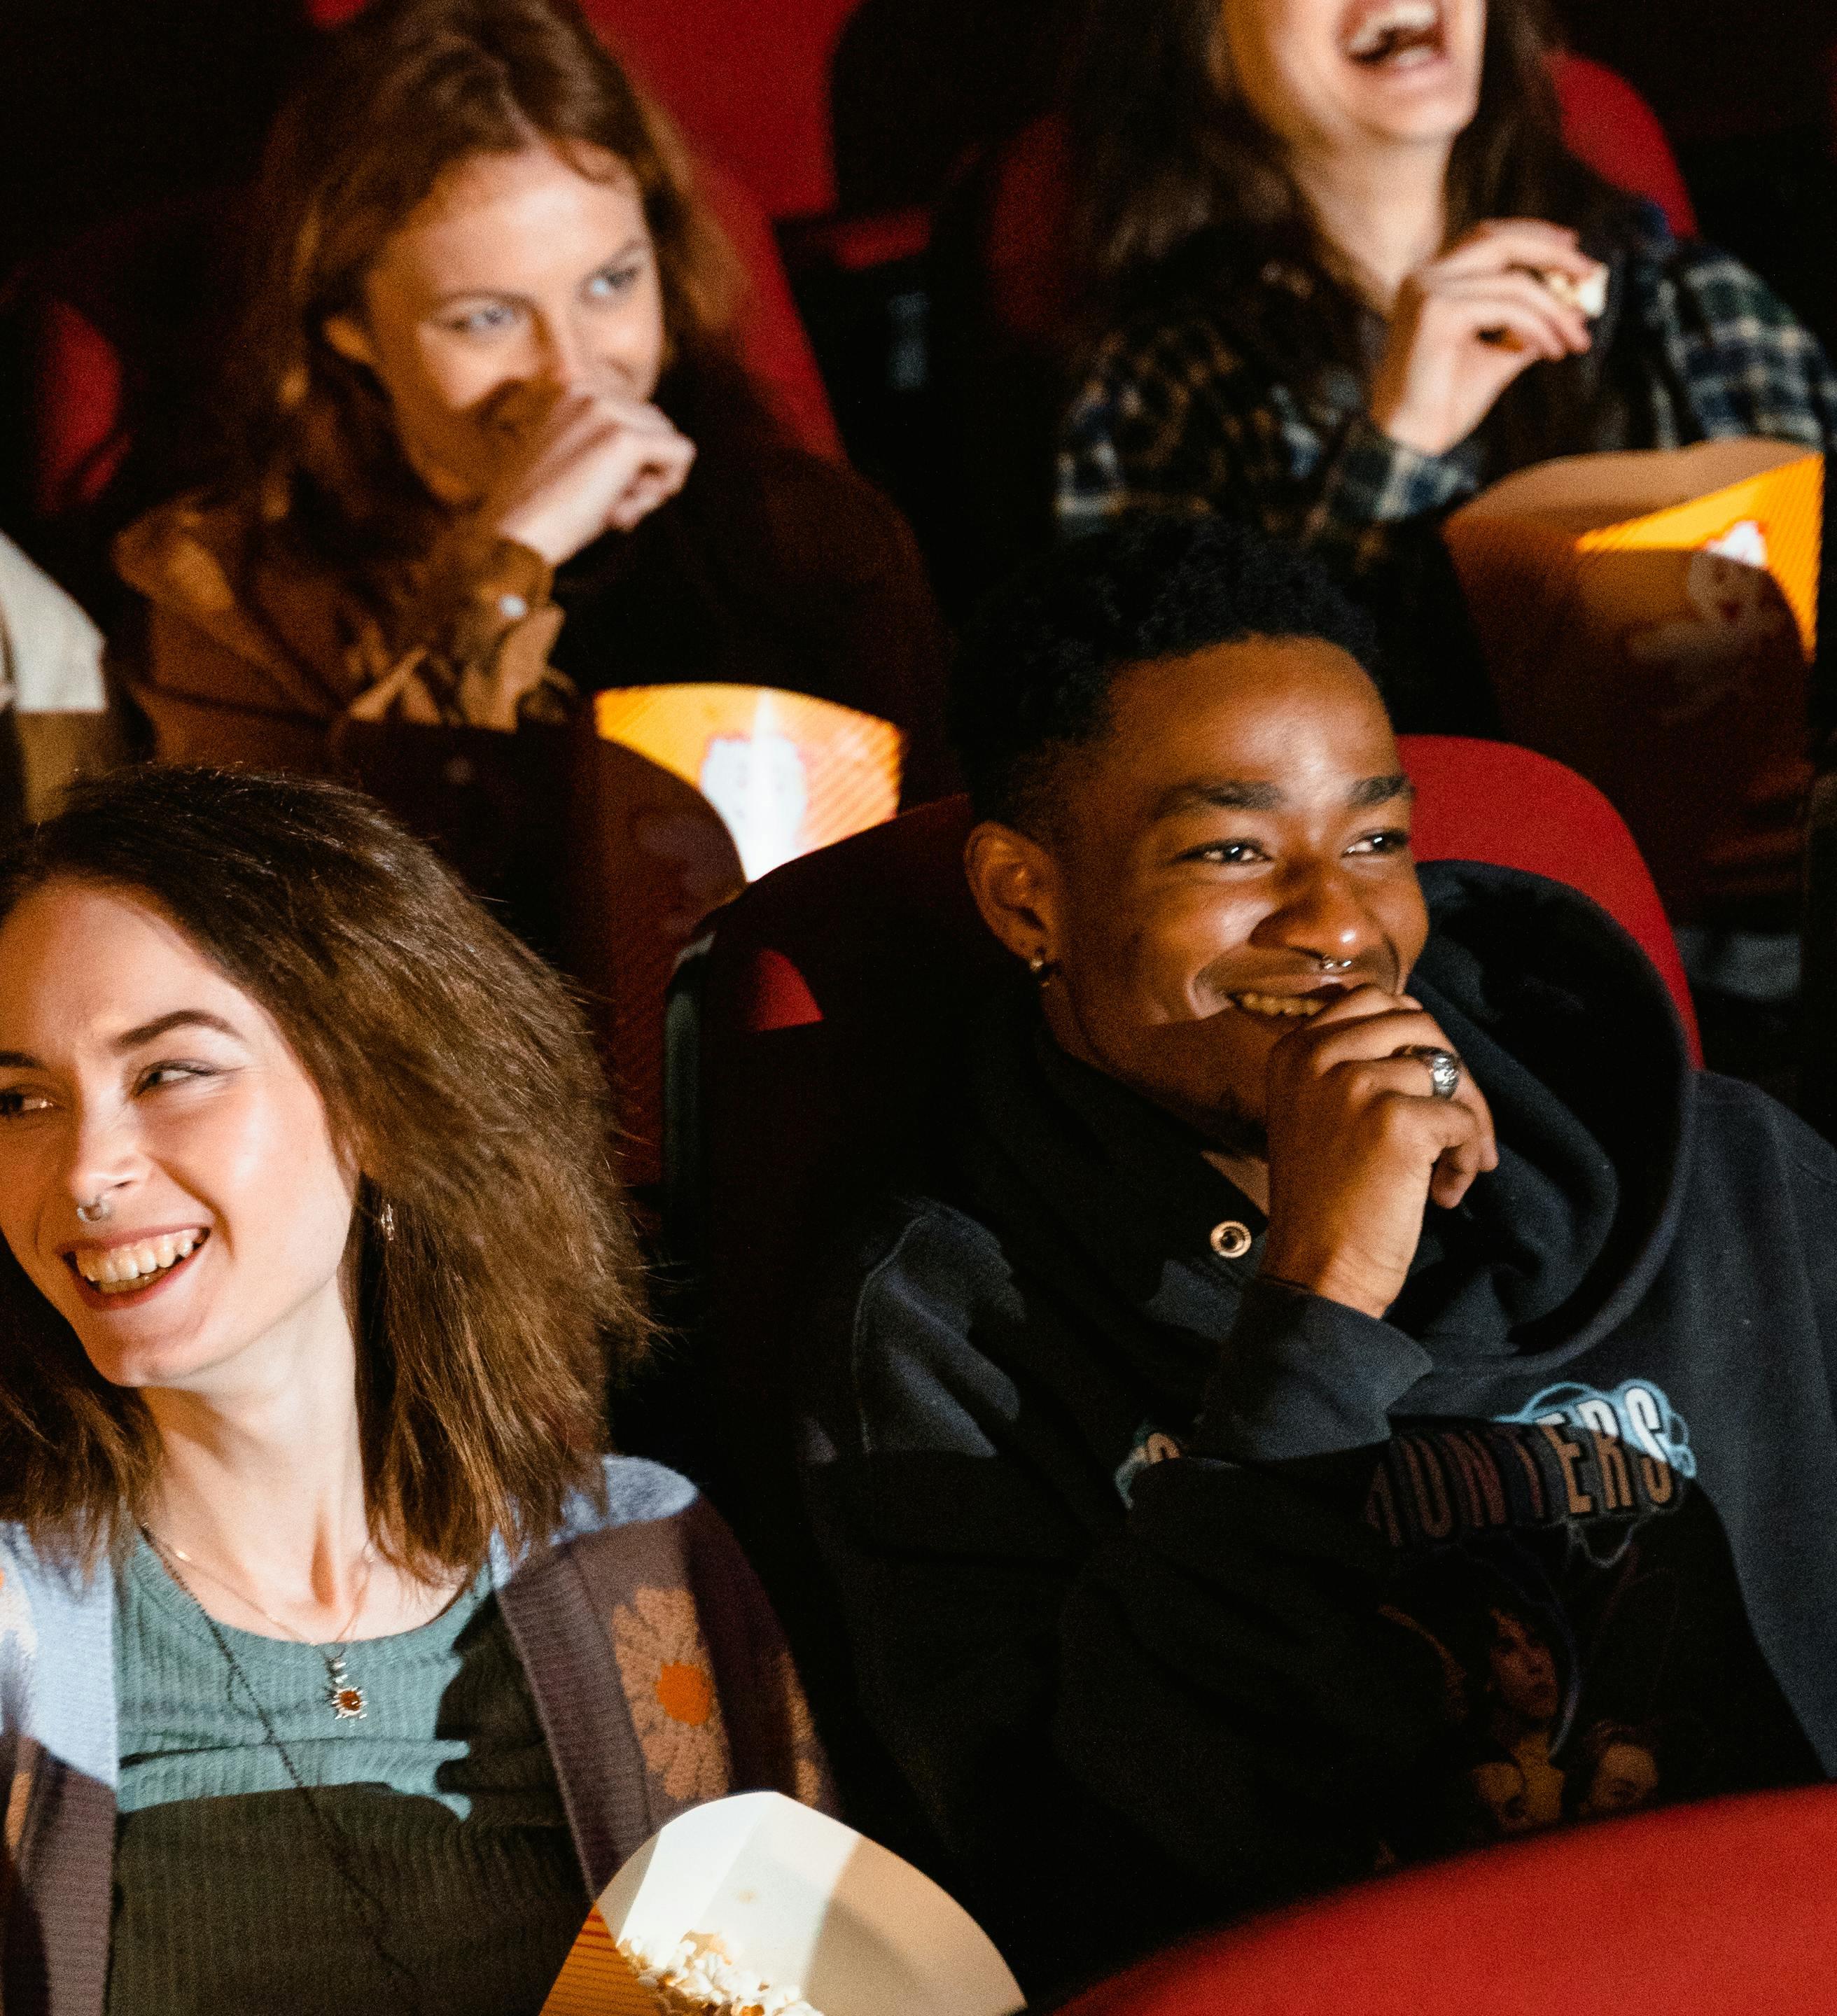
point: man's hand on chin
(1360, 1140)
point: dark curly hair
(1035, 674)
(457, 1071)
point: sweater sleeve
(1738, 360)
(252, 660)
(1179, 421)
(469, 644)
(1196, 1697)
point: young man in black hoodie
(1351, 1391)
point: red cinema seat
(1721, 1909)
(748, 82)
(1612, 127)
(77, 407)
(773, 339)
(1493, 802)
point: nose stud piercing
(95, 1210)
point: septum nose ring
(95, 1210)
(1332, 965)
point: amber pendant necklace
(343, 1696)
(347, 1703)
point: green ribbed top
(440, 1804)
(435, 1726)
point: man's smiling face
(1243, 818)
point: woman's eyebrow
(484, 292)
(132, 1039)
(180, 1018)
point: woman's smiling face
(1340, 76)
(133, 1072)
(528, 270)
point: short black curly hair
(1034, 677)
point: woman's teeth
(1291, 1004)
(1405, 33)
(122, 1268)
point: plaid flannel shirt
(1174, 416)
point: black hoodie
(1557, 1538)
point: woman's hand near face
(579, 463)
(1467, 323)
(1358, 1144)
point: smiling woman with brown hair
(489, 442)
(332, 1646)
(1342, 272)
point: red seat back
(1607, 124)
(1724, 1909)
(748, 82)
(773, 341)
(1493, 802)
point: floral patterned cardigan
(657, 1668)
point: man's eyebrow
(1380, 791)
(180, 1018)
(1232, 794)
(1243, 794)
(19, 1060)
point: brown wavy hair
(1182, 188)
(457, 1073)
(405, 93)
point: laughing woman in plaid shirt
(1320, 236)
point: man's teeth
(1303, 1005)
(1407, 28)
(124, 1267)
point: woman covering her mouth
(1340, 272)
(489, 445)
(338, 1666)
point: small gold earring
(1040, 966)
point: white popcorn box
(1649, 619)
(795, 1900)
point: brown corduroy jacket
(793, 573)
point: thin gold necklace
(344, 1698)
(369, 1913)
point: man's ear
(1015, 882)
(351, 339)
